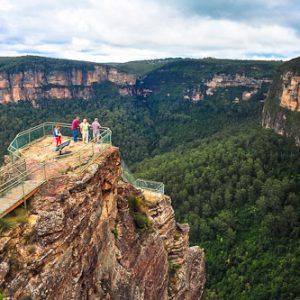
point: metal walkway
(17, 195)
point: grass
(13, 219)
(17, 216)
(4, 225)
(30, 237)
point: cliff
(83, 240)
(282, 108)
(32, 78)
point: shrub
(115, 232)
(135, 203)
(138, 212)
(173, 268)
(15, 264)
(4, 225)
(31, 249)
(141, 221)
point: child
(57, 134)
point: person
(84, 129)
(57, 134)
(96, 130)
(74, 128)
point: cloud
(121, 30)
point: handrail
(149, 185)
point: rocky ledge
(84, 241)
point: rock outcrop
(282, 108)
(82, 242)
(40, 81)
(224, 81)
(290, 97)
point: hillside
(282, 108)
(143, 67)
(240, 193)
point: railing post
(23, 191)
(44, 169)
(44, 129)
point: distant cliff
(282, 108)
(31, 78)
(82, 241)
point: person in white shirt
(84, 129)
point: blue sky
(123, 30)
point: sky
(125, 30)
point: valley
(196, 126)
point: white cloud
(126, 30)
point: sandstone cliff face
(290, 97)
(81, 242)
(36, 83)
(223, 80)
(282, 108)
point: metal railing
(91, 151)
(148, 185)
(153, 186)
(27, 137)
(24, 178)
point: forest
(240, 195)
(236, 184)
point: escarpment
(66, 80)
(82, 241)
(282, 108)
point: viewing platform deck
(34, 159)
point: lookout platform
(34, 160)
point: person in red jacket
(75, 128)
(57, 134)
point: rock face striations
(282, 108)
(82, 242)
(56, 79)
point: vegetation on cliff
(275, 116)
(30, 62)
